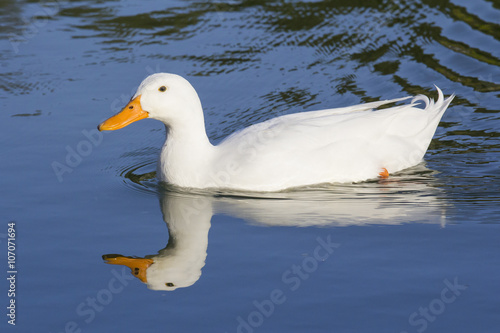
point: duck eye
(162, 88)
(169, 284)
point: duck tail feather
(439, 106)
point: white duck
(349, 144)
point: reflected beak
(138, 266)
(132, 112)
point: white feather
(348, 144)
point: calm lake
(101, 246)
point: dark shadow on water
(335, 29)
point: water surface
(417, 252)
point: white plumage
(349, 144)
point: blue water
(418, 252)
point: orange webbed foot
(384, 174)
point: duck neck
(185, 154)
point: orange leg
(384, 174)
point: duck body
(341, 145)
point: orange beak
(138, 266)
(130, 113)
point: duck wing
(333, 145)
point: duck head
(166, 97)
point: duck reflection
(188, 218)
(179, 264)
